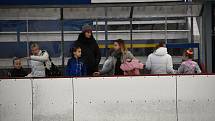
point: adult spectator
(119, 56)
(160, 62)
(91, 55)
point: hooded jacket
(90, 55)
(160, 62)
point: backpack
(53, 71)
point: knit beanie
(87, 28)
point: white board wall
(196, 96)
(148, 98)
(53, 99)
(125, 99)
(15, 100)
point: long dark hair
(121, 43)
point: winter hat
(87, 28)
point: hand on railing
(96, 74)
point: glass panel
(30, 14)
(146, 34)
(21, 26)
(84, 13)
(118, 12)
(167, 11)
(119, 30)
(72, 28)
(47, 34)
(177, 23)
(11, 44)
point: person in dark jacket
(17, 71)
(75, 67)
(91, 55)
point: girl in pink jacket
(189, 66)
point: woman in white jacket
(38, 61)
(160, 62)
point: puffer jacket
(160, 62)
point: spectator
(90, 50)
(119, 56)
(39, 61)
(17, 71)
(75, 67)
(160, 62)
(189, 66)
(107, 64)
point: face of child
(35, 50)
(17, 64)
(88, 34)
(77, 53)
(116, 46)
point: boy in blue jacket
(75, 67)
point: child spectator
(17, 71)
(189, 66)
(39, 61)
(75, 67)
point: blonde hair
(33, 45)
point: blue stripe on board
(13, 49)
(46, 25)
(183, 45)
(42, 25)
(12, 25)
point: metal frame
(62, 37)
(106, 19)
